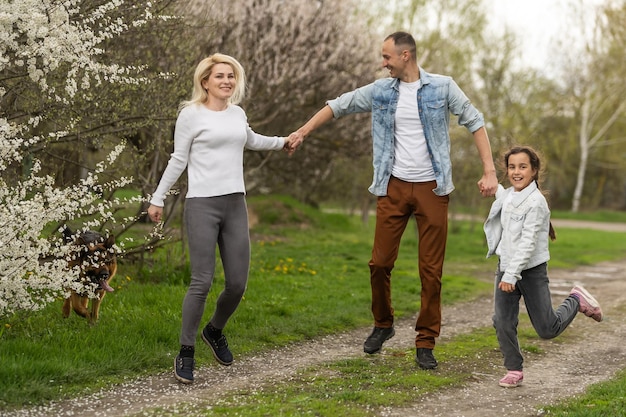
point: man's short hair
(404, 41)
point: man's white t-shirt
(412, 162)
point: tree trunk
(582, 169)
(583, 138)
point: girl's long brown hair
(535, 162)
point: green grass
(359, 386)
(309, 277)
(363, 386)
(598, 216)
(584, 247)
(601, 400)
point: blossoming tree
(50, 57)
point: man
(412, 177)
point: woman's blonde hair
(203, 71)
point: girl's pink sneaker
(589, 306)
(512, 379)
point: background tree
(78, 78)
(297, 55)
(596, 83)
(53, 65)
(523, 105)
(452, 40)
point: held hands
(488, 184)
(293, 141)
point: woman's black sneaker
(219, 347)
(183, 369)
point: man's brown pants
(393, 211)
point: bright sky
(538, 24)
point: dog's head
(96, 257)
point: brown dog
(98, 264)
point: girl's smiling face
(520, 171)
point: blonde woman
(209, 140)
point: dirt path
(564, 370)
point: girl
(209, 139)
(517, 230)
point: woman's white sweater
(210, 145)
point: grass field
(309, 277)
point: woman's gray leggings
(212, 221)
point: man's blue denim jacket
(437, 97)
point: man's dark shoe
(425, 359)
(375, 340)
(219, 347)
(183, 369)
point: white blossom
(37, 37)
